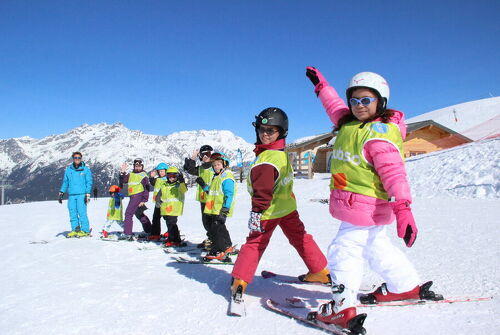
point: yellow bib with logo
(114, 213)
(350, 169)
(134, 182)
(215, 197)
(172, 197)
(206, 175)
(283, 201)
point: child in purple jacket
(138, 190)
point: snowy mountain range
(35, 166)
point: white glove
(87, 198)
(254, 222)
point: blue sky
(164, 66)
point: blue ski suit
(77, 182)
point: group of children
(216, 190)
(369, 190)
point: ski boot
(170, 243)
(231, 250)
(72, 233)
(238, 287)
(82, 233)
(237, 304)
(340, 312)
(322, 277)
(217, 255)
(104, 234)
(381, 294)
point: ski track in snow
(87, 286)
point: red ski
(301, 315)
(304, 303)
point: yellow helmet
(172, 169)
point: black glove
(180, 178)
(312, 75)
(201, 182)
(223, 215)
(60, 197)
(224, 211)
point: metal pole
(3, 193)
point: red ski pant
(293, 228)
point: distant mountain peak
(105, 147)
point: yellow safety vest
(114, 213)
(283, 201)
(172, 197)
(350, 170)
(158, 183)
(206, 175)
(215, 197)
(134, 182)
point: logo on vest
(381, 128)
(346, 156)
(286, 180)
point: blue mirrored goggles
(365, 101)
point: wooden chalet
(428, 136)
(422, 137)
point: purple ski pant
(132, 208)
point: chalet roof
(411, 127)
(309, 140)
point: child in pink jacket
(369, 189)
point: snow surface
(88, 286)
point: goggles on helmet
(205, 153)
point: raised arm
(334, 105)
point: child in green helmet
(157, 178)
(171, 195)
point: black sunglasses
(268, 131)
(77, 157)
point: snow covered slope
(468, 171)
(88, 286)
(465, 117)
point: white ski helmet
(369, 80)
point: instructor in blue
(77, 182)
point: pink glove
(407, 228)
(316, 78)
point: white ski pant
(354, 244)
(109, 223)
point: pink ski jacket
(359, 209)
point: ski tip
(267, 274)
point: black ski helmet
(204, 148)
(272, 116)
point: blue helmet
(161, 166)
